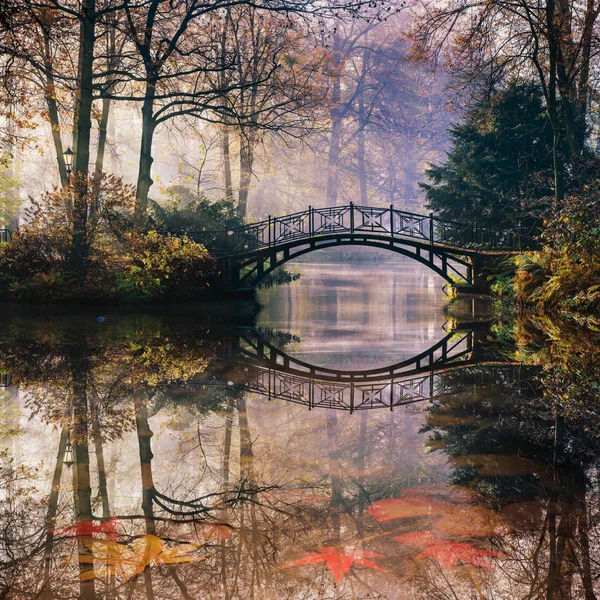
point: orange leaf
(89, 528)
(417, 538)
(471, 521)
(449, 554)
(404, 508)
(145, 551)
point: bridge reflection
(457, 363)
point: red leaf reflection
(106, 529)
(449, 554)
(403, 508)
(339, 562)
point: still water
(360, 437)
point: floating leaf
(339, 562)
(417, 538)
(471, 521)
(450, 554)
(403, 508)
(499, 464)
(216, 531)
(524, 515)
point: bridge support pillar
(479, 283)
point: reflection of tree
(531, 457)
(323, 492)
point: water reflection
(141, 460)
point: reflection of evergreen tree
(538, 449)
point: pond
(361, 436)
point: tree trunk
(111, 63)
(81, 471)
(335, 477)
(333, 159)
(362, 168)
(552, 105)
(360, 140)
(52, 106)
(102, 484)
(227, 445)
(102, 134)
(361, 462)
(53, 509)
(84, 126)
(246, 452)
(246, 161)
(12, 202)
(144, 181)
(227, 163)
(145, 434)
(335, 116)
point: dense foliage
(499, 162)
(186, 211)
(565, 274)
(122, 264)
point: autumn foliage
(565, 275)
(122, 263)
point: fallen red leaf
(449, 554)
(417, 538)
(339, 562)
(403, 508)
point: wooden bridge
(455, 251)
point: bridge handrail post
(431, 229)
(351, 217)
(311, 223)
(392, 220)
(269, 226)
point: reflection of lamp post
(69, 154)
(68, 459)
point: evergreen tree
(500, 161)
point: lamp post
(69, 155)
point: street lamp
(68, 459)
(69, 154)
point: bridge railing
(353, 219)
(5, 235)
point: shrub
(121, 265)
(565, 274)
(159, 266)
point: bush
(565, 274)
(159, 266)
(184, 211)
(121, 265)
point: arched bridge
(452, 365)
(455, 251)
